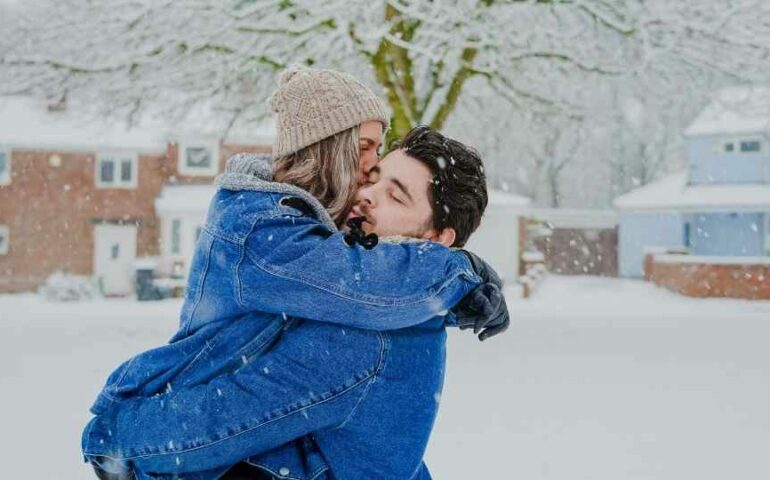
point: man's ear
(445, 237)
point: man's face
(370, 134)
(395, 200)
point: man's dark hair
(458, 193)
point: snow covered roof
(499, 198)
(735, 110)
(177, 199)
(674, 193)
(27, 123)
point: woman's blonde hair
(327, 169)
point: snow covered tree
(436, 62)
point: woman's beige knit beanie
(312, 104)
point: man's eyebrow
(403, 188)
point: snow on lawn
(610, 379)
(54, 357)
(597, 379)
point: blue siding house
(718, 206)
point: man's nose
(366, 195)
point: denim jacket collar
(249, 171)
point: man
(367, 399)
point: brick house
(84, 198)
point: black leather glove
(484, 308)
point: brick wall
(50, 211)
(710, 280)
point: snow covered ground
(598, 379)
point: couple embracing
(312, 335)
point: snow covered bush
(63, 287)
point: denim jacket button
(284, 471)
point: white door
(114, 256)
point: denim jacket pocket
(298, 460)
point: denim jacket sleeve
(310, 272)
(313, 379)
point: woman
(270, 251)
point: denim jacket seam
(87, 435)
(199, 287)
(207, 347)
(379, 367)
(322, 469)
(114, 385)
(263, 339)
(259, 425)
(238, 285)
(255, 214)
(243, 254)
(374, 300)
(255, 218)
(318, 472)
(216, 233)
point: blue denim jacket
(259, 261)
(384, 435)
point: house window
(742, 146)
(4, 240)
(687, 238)
(176, 236)
(751, 146)
(5, 167)
(199, 158)
(116, 170)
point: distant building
(88, 198)
(575, 241)
(717, 211)
(498, 238)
